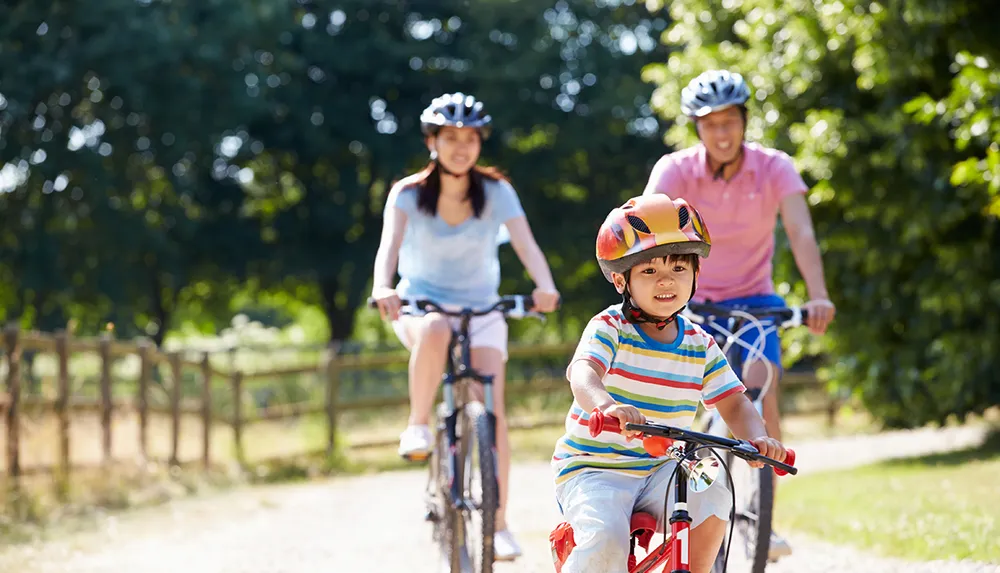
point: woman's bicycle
(754, 501)
(699, 473)
(462, 492)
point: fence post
(238, 415)
(332, 394)
(145, 373)
(206, 411)
(175, 407)
(13, 344)
(106, 403)
(62, 413)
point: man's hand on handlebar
(820, 314)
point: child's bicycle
(755, 488)
(462, 491)
(699, 473)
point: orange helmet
(648, 227)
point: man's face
(722, 133)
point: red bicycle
(699, 474)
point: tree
(850, 90)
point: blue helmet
(714, 90)
(456, 110)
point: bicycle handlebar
(790, 316)
(657, 439)
(513, 306)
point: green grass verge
(932, 507)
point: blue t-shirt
(454, 265)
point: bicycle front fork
(680, 529)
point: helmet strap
(636, 315)
(720, 172)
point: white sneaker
(505, 547)
(415, 442)
(779, 548)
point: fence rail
(329, 367)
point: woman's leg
(427, 338)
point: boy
(638, 361)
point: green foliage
(890, 111)
(159, 171)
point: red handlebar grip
(789, 460)
(599, 423)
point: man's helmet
(456, 110)
(713, 90)
(648, 227)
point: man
(740, 189)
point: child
(640, 361)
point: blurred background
(191, 198)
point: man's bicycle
(462, 491)
(754, 501)
(699, 473)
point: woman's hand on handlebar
(546, 300)
(769, 448)
(625, 414)
(388, 302)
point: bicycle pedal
(416, 457)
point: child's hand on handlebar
(768, 447)
(626, 415)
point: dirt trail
(374, 523)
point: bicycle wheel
(446, 520)
(754, 506)
(481, 488)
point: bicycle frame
(659, 440)
(459, 371)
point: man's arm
(802, 237)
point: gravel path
(374, 523)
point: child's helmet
(647, 227)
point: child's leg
(598, 505)
(709, 511)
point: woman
(441, 227)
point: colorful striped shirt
(663, 381)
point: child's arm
(594, 357)
(721, 389)
(746, 424)
(589, 392)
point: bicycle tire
(482, 437)
(448, 519)
(757, 533)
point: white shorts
(599, 505)
(488, 331)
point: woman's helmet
(456, 110)
(714, 90)
(648, 227)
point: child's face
(660, 287)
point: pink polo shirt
(741, 214)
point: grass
(933, 507)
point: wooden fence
(216, 383)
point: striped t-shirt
(664, 381)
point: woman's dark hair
(428, 186)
